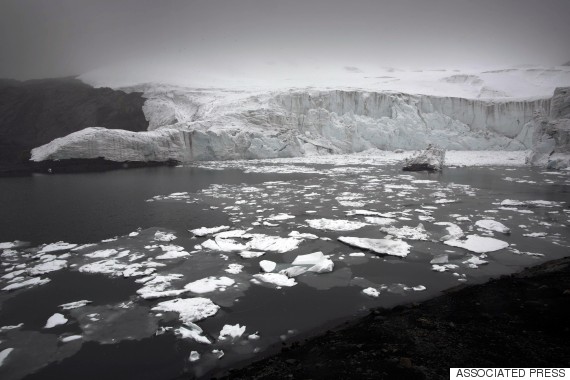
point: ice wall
(551, 133)
(191, 124)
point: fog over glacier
(273, 38)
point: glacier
(203, 124)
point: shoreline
(75, 166)
(516, 320)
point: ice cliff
(187, 124)
(551, 133)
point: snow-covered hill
(351, 112)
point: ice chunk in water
(189, 309)
(229, 331)
(493, 225)
(335, 224)
(276, 279)
(478, 244)
(385, 246)
(209, 284)
(55, 320)
(371, 292)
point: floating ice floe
(27, 283)
(277, 279)
(371, 292)
(110, 267)
(250, 254)
(209, 284)
(203, 231)
(262, 242)
(453, 231)
(59, 246)
(492, 225)
(70, 338)
(539, 203)
(536, 234)
(192, 331)
(478, 244)
(335, 224)
(4, 354)
(407, 232)
(158, 286)
(164, 236)
(55, 320)
(189, 309)
(194, 356)
(74, 305)
(444, 267)
(281, 217)
(474, 262)
(102, 254)
(357, 254)
(234, 268)
(384, 246)
(380, 221)
(267, 265)
(50, 266)
(10, 327)
(318, 262)
(362, 212)
(298, 235)
(172, 252)
(231, 331)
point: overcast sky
(47, 38)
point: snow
(277, 279)
(384, 246)
(55, 320)
(74, 305)
(492, 225)
(189, 309)
(478, 244)
(335, 225)
(4, 354)
(209, 284)
(231, 331)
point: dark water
(87, 208)
(80, 208)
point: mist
(250, 37)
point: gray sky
(46, 38)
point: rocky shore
(513, 321)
